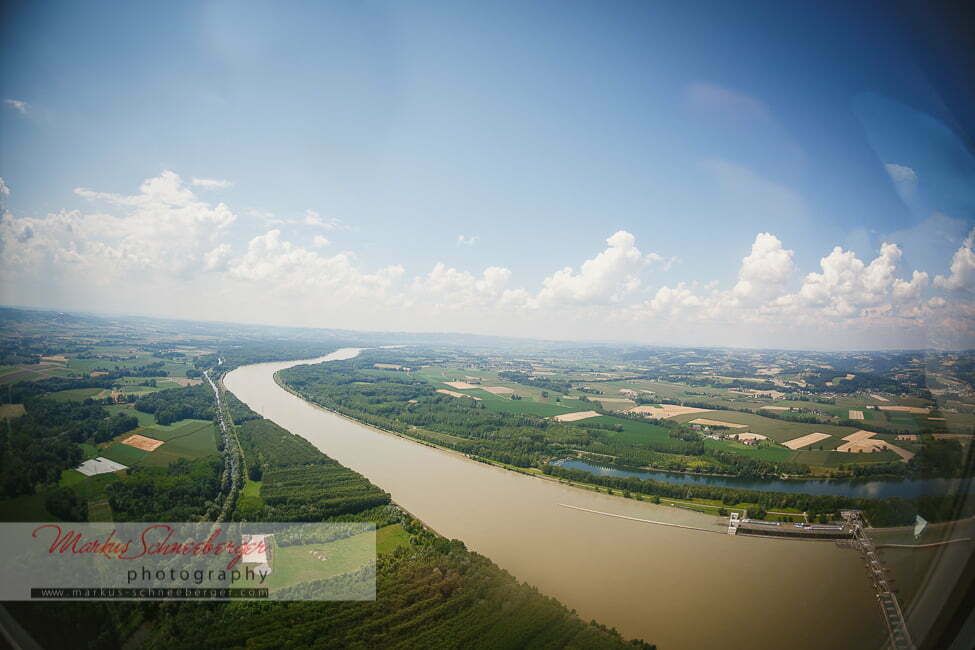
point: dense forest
(299, 483)
(37, 446)
(178, 404)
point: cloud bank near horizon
(164, 250)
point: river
(678, 588)
(905, 489)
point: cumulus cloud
(216, 259)
(4, 190)
(210, 183)
(162, 229)
(606, 278)
(962, 277)
(846, 284)
(451, 288)
(765, 271)
(165, 237)
(273, 262)
(465, 240)
(20, 106)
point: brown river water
(678, 588)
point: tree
(65, 504)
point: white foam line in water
(645, 521)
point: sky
(752, 175)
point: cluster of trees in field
(179, 403)
(880, 512)
(23, 390)
(299, 483)
(37, 446)
(179, 492)
(247, 352)
(548, 383)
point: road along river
(677, 587)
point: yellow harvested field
(456, 394)
(574, 417)
(460, 385)
(55, 357)
(749, 436)
(615, 403)
(856, 415)
(719, 423)
(907, 436)
(775, 408)
(386, 366)
(498, 390)
(141, 442)
(667, 410)
(806, 440)
(864, 442)
(879, 398)
(906, 409)
(856, 436)
(185, 381)
(11, 411)
(937, 419)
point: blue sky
(536, 132)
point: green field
(251, 488)
(71, 477)
(99, 510)
(77, 394)
(390, 538)
(124, 454)
(174, 430)
(27, 507)
(145, 419)
(296, 564)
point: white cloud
(606, 278)
(163, 245)
(901, 174)
(216, 259)
(4, 190)
(210, 183)
(284, 267)
(765, 271)
(910, 290)
(316, 220)
(464, 240)
(451, 288)
(712, 98)
(847, 285)
(164, 229)
(962, 268)
(19, 106)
